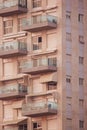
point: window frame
(36, 44)
(7, 25)
(36, 3)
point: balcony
(39, 109)
(12, 91)
(38, 66)
(13, 122)
(40, 23)
(12, 49)
(11, 7)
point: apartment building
(43, 61)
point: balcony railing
(39, 109)
(11, 49)
(40, 66)
(40, 23)
(12, 91)
(11, 7)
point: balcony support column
(29, 124)
(44, 124)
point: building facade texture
(43, 65)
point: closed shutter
(68, 47)
(81, 50)
(8, 113)
(52, 41)
(81, 92)
(51, 2)
(52, 124)
(68, 111)
(37, 86)
(68, 5)
(10, 68)
(68, 68)
(68, 89)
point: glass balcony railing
(12, 3)
(30, 109)
(39, 62)
(39, 23)
(12, 90)
(40, 19)
(41, 105)
(8, 46)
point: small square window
(81, 39)
(68, 79)
(39, 39)
(81, 103)
(81, 81)
(80, 18)
(68, 37)
(81, 60)
(68, 15)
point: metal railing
(39, 19)
(41, 105)
(8, 46)
(12, 3)
(17, 88)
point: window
(81, 39)
(81, 81)
(37, 125)
(51, 85)
(68, 15)
(19, 113)
(36, 19)
(20, 21)
(81, 124)
(68, 123)
(80, 18)
(81, 60)
(36, 3)
(81, 103)
(52, 61)
(37, 42)
(8, 26)
(68, 79)
(22, 127)
(68, 37)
